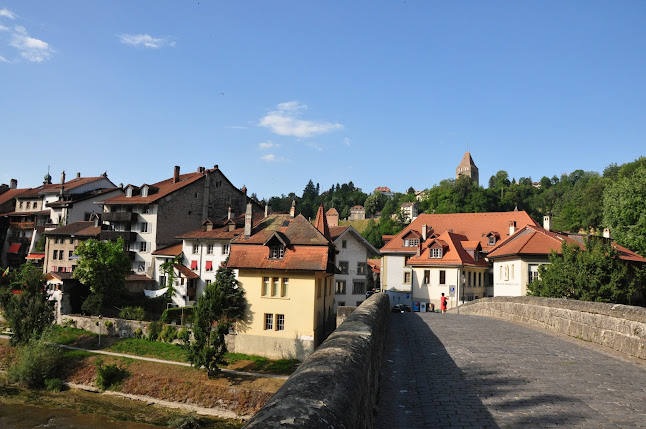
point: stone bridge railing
(337, 385)
(620, 327)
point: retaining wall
(337, 385)
(620, 327)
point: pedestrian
(443, 302)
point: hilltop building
(467, 168)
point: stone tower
(468, 168)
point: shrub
(184, 336)
(139, 333)
(177, 314)
(132, 313)
(168, 333)
(69, 323)
(36, 362)
(108, 324)
(185, 421)
(54, 384)
(154, 329)
(109, 375)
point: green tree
(374, 203)
(169, 270)
(593, 273)
(102, 266)
(624, 210)
(25, 305)
(222, 303)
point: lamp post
(100, 318)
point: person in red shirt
(443, 303)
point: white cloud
(7, 13)
(284, 122)
(347, 141)
(268, 145)
(145, 41)
(3, 60)
(270, 157)
(31, 49)
(315, 146)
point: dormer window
(435, 253)
(144, 191)
(492, 240)
(413, 242)
(276, 252)
(129, 191)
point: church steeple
(468, 168)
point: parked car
(397, 309)
(370, 293)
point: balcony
(119, 216)
(127, 236)
(22, 225)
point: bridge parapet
(336, 386)
(620, 327)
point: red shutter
(193, 265)
(209, 265)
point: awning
(209, 265)
(193, 265)
(14, 248)
(36, 256)
(155, 293)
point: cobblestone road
(449, 370)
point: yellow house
(286, 267)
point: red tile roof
(82, 228)
(454, 253)
(185, 271)
(55, 187)
(467, 161)
(321, 222)
(306, 248)
(10, 194)
(172, 250)
(474, 226)
(336, 231)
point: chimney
(512, 227)
(200, 170)
(424, 233)
(13, 184)
(547, 222)
(266, 210)
(62, 183)
(209, 226)
(606, 233)
(96, 220)
(247, 222)
(292, 211)
(176, 175)
(78, 174)
(229, 213)
(244, 190)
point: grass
(147, 348)
(359, 225)
(69, 335)
(261, 364)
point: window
(209, 249)
(208, 282)
(193, 265)
(492, 240)
(436, 253)
(412, 242)
(274, 286)
(69, 254)
(269, 321)
(479, 279)
(143, 245)
(28, 203)
(469, 281)
(21, 204)
(265, 286)
(196, 248)
(442, 277)
(533, 273)
(276, 252)
(470, 297)
(343, 266)
(143, 227)
(280, 322)
(427, 276)
(283, 287)
(340, 287)
(55, 255)
(344, 244)
(145, 209)
(358, 287)
(225, 249)
(209, 266)
(35, 205)
(141, 266)
(162, 281)
(129, 192)
(407, 278)
(361, 268)
(341, 304)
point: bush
(108, 324)
(185, 421)
(69, 323)
(154, 329)
(54, 384)
(36, 362)
(109, 375)
(132, 313)
(184, 336)
(139, 333)
(168, 334)
(177, 314)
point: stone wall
(620, 327)
(342, 313)
(337, 385)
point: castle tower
(468, 168)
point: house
(332, 216)
(61, 243)
(516, 260)
(149, 217)
(471, 236)
(8, 204)
(385, 190)
(286, 266)
(409, 211)
(354, 277)
(357, 213)
(467, 168)
(33, 214)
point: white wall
(354, 253)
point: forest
(581, 201)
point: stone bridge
(536, 363)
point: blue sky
(383, 93)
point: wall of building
(432, 292)
(353, 253)
(620, 327)
(516, 285)
(338, 385)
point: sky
(380, 93)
